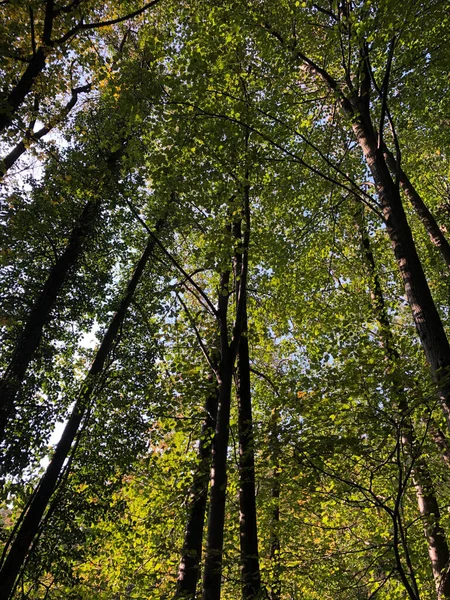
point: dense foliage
(225, 300)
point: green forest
(225, 300)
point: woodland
(224, 300)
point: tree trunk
(440, 440)
(189, 568)
(212, 574)
(429, 510)
(212, 577)
(438, 550)
(431, 226)
(16, 97)
(32, 137)
(250, 573)
(20, 546)
(275, 546)
(39, 315)
(426, 317)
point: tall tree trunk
(17, 96)
(20, 546)
(438, 550)
(426, 317)
(39, 315)
(275, 546)
(440, 440)
(250, 573)
(212, 578)
(356, 108)
(212, 575)
(32, 137)
(435, 234)
(188, 571)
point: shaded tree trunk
(426, 317)
(435, 234)
(29, 526)
(440, 440)
(32, 137)
(212, 576)
(275, 546)
(356, 108)
(17, 96)
(438, 550)
(250, 573)
(189, 569)
(39, 315)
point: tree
(270, 417)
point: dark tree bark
(434, 232)
(32, 137)
(212, 576)
(438, 550)
(39, 315)
(426, 317)
(17, 96)
(250, 573)
(29, 526)
(12, 101)
(189, 569)
(275, 545)
(440, 440)
(356, 108)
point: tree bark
(250, 573)
(39, 315)
(17, 96)
(212, 576)
(20, 546)
(440, 440)
(356, 109)
(216, 517)
(189, 569)
(434, 232)
(438, 550)
(426, 317)
(275, 545)
(33, 137)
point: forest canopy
(224, 300)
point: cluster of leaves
(177, 92)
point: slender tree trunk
(39, 315)
(431, 517)
(275, 546)
(40, 312)
(33, 137)
(250, 573)
(20, 546)
(438, 550)
(188, 571)
(356, 109)
(16, 97)
(212, 574)
(436, 235)
(440, 440)
(426, 317)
